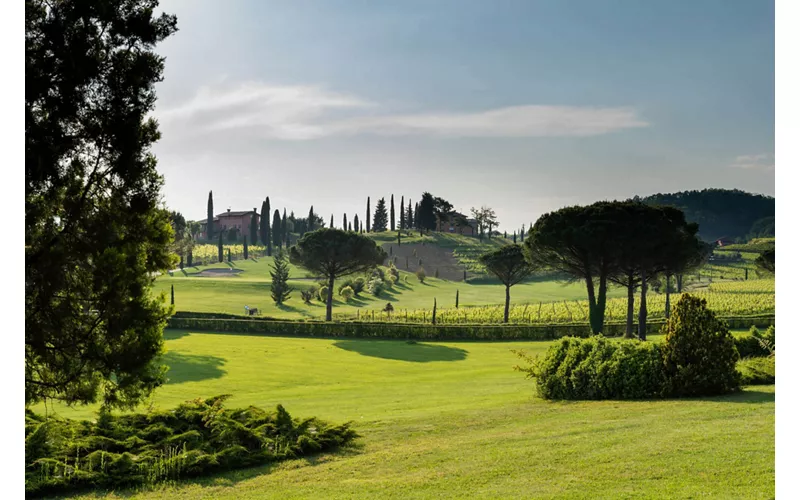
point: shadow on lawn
(402, 351)
(192, 367)
(751, 395)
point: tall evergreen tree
(269, 229)
(285, 229)
(426, 212)
(410, 217)
(416, 216)
(349, 227)
(210, 220)
(279, 288)
(219, 247)
(262, 224)
(254, 227)
(245, 248)
(402, 213)
(356, 224)
(368, 214)
(391, 213)
(310, 221)
(344, 222)
(380, 221)
(332, 222)
(276, 229)
(172, 295)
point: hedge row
(416, 331)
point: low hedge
(749, 345)
(395, 330)
(220, 322)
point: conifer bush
(699, 352)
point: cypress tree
(391, 213)
(219, 247)
(515, 237)
(356, 225)
(269, 229)
(310, 223)
(262, 227)
(368, 214)
(229, 255)
(349, 226)
(276, 229)
(245, 248)
(180, 265)
(456, 298)
(285, 229)
(409, 217)
(189, 259)
(254, 226)
(402, 213)
(210, 222)
(380, 221)
(344, 222)
(172, 294)
(416, 216)
(331, 221)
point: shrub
(346, 293)
(699, 352)
(308, 295)
(322, 294)
(197, 438)
(358, 285)
(389, 308)
(376, 286)
(757, 371)
(420, 275)
(598, 368)
(391, 279)
(753, 344)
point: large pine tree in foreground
(95, 231)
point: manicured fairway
(453, 420)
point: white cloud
(310, 112)
(763, 161)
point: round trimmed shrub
(358, 285)
(699, 352)
(323, 293)
(376, 286)
(346, 293)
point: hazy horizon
(519, 106)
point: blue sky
(524, 106)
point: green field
(453, 420)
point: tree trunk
(600, 316)
(679, 282)
(643, 308)
(666, 303)
(508, 301)
(592, 305)
(629, 321)
(329, 302)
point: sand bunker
(218, 272)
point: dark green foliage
(280, 289)
(752, 345)
(284, 229)
(210, 218)
(332, 253)
(433, 315)
(410, 217)
(402, 214)
(219, 248)
(277, 232)
(757, 371)
(598, 368)
(308, 294)
(381, 218)
(369, 217)
(699, 352)
(456, 299)
(229, 255)
(172, 295)
(345, 226)
(95, 231)
(766, 261)
(720, 213)
(357, 284)
(356, 225)
(426, 212)
(391, 213)
(189, 259)
(762, 228)
(197, 438)
(245, 248)
(331, 226)
(254, 227)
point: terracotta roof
(234, 214)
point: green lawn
(252, 287)
(453, 420)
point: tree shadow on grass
(750, 395)
(403, 351)
(192, 367)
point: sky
(522, 106)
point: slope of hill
(721, 213)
